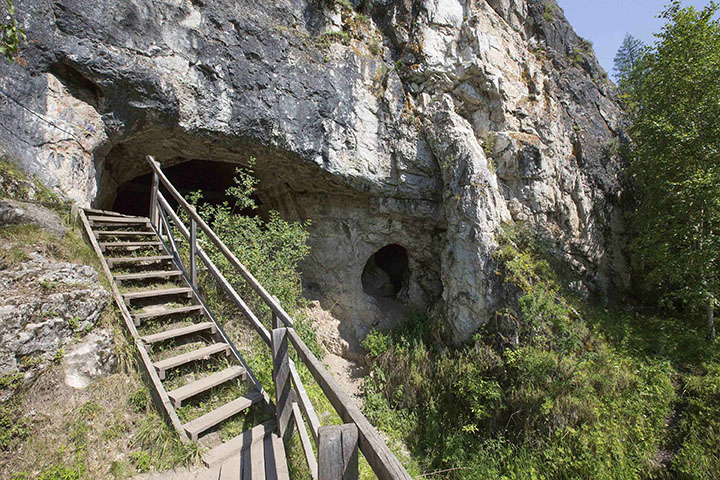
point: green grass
(586, 392)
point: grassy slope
(51, 431)
(555, 388)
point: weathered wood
(305, 442)
(157, 258)
(128, 277)
(122, 233)
(139, 317)
(257, 460)
(93, 219)
(105, 245)
(197, 387)
(209, 474)
(205, 422)
(200, 354)
(281, 377)
(179, 332)
(156, 293)
(193, 253)
(238, 444)
(231, 468)
(145, 362)
(307, 408)
(385, 465)
(337, 452)
(154, 186)
(281, 468)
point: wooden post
(275, 317)
(281, 377)
(338, 452)
(154, 219)
(193, 252)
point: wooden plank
(257, 461)
(204, 384)
(179, 332)
(220, 414)
(106, 245)
(238, 444)
(200, 354)
(304, 401)
(166, 311)
(156, 293)
(330, 455)
(270, 458)
(123, 233)
(212, 473)
(337, 452)
(281, 377)
(385, 465)
(156, 258)
(125, 277)
(305, 442)
(107, 213)
(231, 468)
(281, 467)
(94, 219)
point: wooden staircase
(191, 360)
(198, 379)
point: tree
(11, 35)
(675, 107)
(627, 58)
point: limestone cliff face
(427, 124)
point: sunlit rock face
(424, 124)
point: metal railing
(336, 445)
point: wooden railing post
(154, 219)
(193, 252)
(281, 377)
(338, 452)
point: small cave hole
(386, 273)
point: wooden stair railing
(292, 402)
(336, 445)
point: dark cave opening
(386, 273)
(212, 178)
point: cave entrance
(386, 273)
(213, 178)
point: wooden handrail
(252, 281)
(385, 465)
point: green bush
(560, 401)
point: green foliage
(270, 248)
(14, 183)
(11, 35)
(675, 104)
(559, 401)
(549, 8)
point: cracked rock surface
(424, 123)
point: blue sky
(605, 22)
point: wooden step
(238, 444)
(195, 427)
(179, 332)
(204, 384)
(122, 233)
(117, 220)
(157, 258)
(200, 354)
(105, 245)
(139, 317)
(129, 297)
(125, 277)
(107, 213)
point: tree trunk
(711, 319)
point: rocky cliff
(424, 124)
